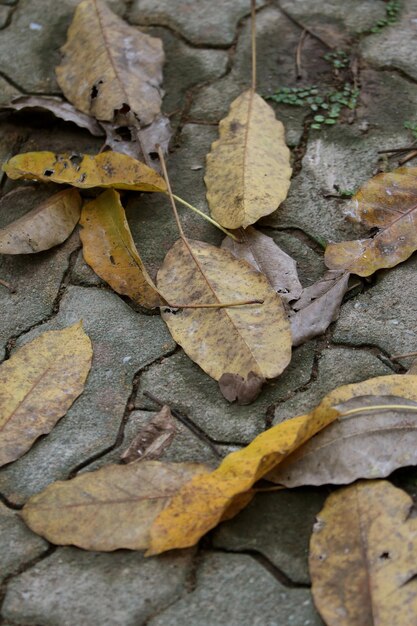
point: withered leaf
(58, 107)
(46, 226)
(107, 169)
(109, 66)
(234, 387)
(236, 340)
(153, 439)
(38, 384)
(387, 202)
(110, 508)
(203, 502)
(363, 557)
(248, 169)
(263, 253)
(318, 306)
(367, 443)
(110, 251)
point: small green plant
(392, 11)
(338, 58)
(412, 126)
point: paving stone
(184, 386)
(7, 91)
(199, 21)
(279, 526)
(385, 314)
(310, 264)
(18, 545)
(82, 274)
(5, 13)
(123, 342)
(76, 587)
(336, 366)
(335, 22)
(395, 46)
(37, 31)
(235, 590)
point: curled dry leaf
(248, 169)
(263, 253)
(159, 132)
(363, 557)
(107, 169)
(367, 443)
(234, 387)
(109, 65)
(387, 202)
(38, 384)
(46, 226)
(58, 107)
(236, 340)
(205, 501)
(153, 439)
(110, 508)
(110, 251)
(318, 306)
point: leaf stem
(403, 356)
(222, 305)
(253, 42)
(380, 407)
(206, 217)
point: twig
(253, 42)
(187, 422)
(395, 357)
(298, 52)
(206, 217)
(7, 285)
(408, 157)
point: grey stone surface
(7, 91)
(18, 545)
(235, 590)
(180, 383)
(385, 314)
(37, 30)
(5, 13)
(96, 589)
(82, 274)
(310, 264)
(123, 342)
(395, 46)
(278, 525)
(199, 21)
(336, 366)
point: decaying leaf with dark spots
(153, 439)
(244, 391)
(318, 306)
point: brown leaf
(387, 202)
(110, 508)
(234, 387)
(318, 306)
(263, 253)
(368, 443)
(153, 439)
(38, 384)
(363, 557)
(58, 107)
(46, 226)
(109, 65)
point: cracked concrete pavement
(253, 569)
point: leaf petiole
(380, 407)
(204, 215)
(218, 305)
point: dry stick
(7, 285)
(253, 43)
(220, 305)
(408, 157)
(298, 70)
(403, 356)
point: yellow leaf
(388, 202)
(107, 169)
(110, 508)
(203, 502)
(109, 65)
(109, 249)
(363, 557)
(238, 340)
(46, 226)
(38, 384)
(248, 169)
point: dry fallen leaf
(46, 226)
(110, 508)
(263, 253)
(234, 387)
(369, 443)
(107, 169)
(239, 340)
(110, 251)
(159, 132)
(248, 169)
(387, 202)
(153, 439)
(203, 502)
(363, 557)
(38, 384)
(58, 107)
(109, 65)
(318, 306)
